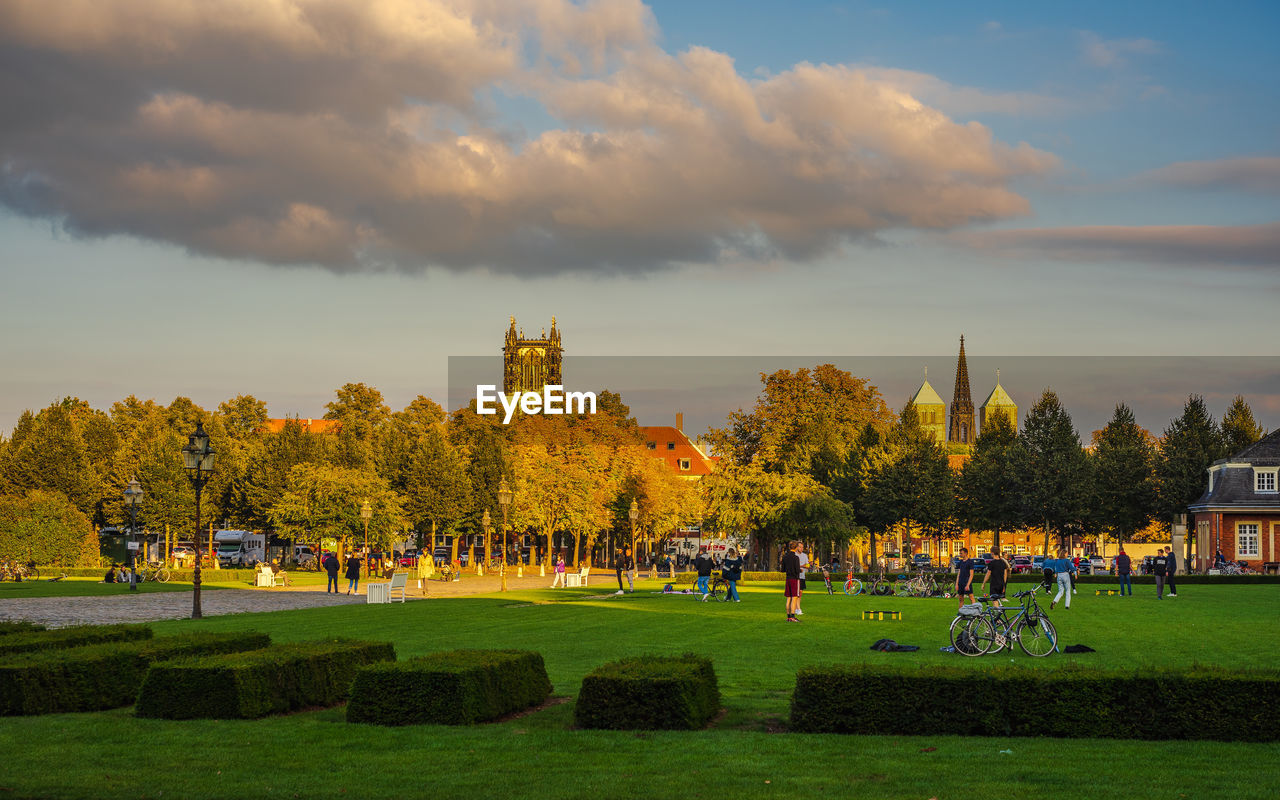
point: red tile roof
(663, 435)
(308, 425)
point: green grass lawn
(746, 754)
(84, 587)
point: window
(1247, 540)
(684, 464)
(651, 445)
(671, 445)
(1264, 481)
(1022, 549)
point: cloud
(1257, 175)
(367, 134)
(1109, 53)
(1247, 246)
(966, 100)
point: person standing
(353, 574)
(791, 588)
(559, 579)
(731, 569)
(1124, 570)
(1062, 568)
(623, 566)
(331, 566)
(703, 564)
(1171, 569)
(1160, 566)
(997, 573)
(964, 577)
(804, 570)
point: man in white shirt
(804, 569)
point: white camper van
(240, 548)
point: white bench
(265, 577)
(383, 591)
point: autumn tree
(323, 501)
(437, 488)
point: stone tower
(998, 402)
(530, 364)
(931, 410)
(961, 430)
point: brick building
(1239, 513)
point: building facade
(958, 427)
(530, 364)
(1239, 513)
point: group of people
(1164, 566)
(795, 563)
(332, 566)
(996, 574)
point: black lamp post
(504, 500)
(198, 458)
(132, 497)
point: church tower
(530, 364)
(961, 430)
(931, 410)
(998, 402)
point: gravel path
(59, 612)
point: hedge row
(1201, 703)
(62, 638)
(18, 626)
(654, 692)
(101, 676)
(461, 687)
(248, 685)
(837, 579)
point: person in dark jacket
(623, 566)
(703, 564)
(331, 566)
(1159, 566)
(353, 574)
(1124, 570)
(1171, 569)
(731, 569)
(791, 589)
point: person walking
(703, 564)
(623, 566)
(331, 566)
(731, 570)
(671, 567)
(997, 573)
(1062, 569)
(559, 579)
(964, 577)
(1124, 570)
(791, 588)
(1160, 567)
(1171, 569)
(353, 574)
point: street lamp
(632, 513)
(198, 457)
(132, 497)
(504, 500)
(486, 525)
(366, 514)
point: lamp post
(366, 514)
(504, 500)
(132, 497)
(632, 513)
(488, 539)
(198, 458)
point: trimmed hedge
(18, 626)
(1197, 703)
(838, 578)
(101, 676)
(62, 638)
(650, 692)
(283, 677)
(461, 687)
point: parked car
(980, 562)
(1021, 564)
(1098, 563)
(1084, 567)
(921, 561)
(1037, 563)
(409, 559)
(440, 555)
(183, 553)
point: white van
(240, 548)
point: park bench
(383, 591)
(578, 578)
(266, 577)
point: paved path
(60, 612)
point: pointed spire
(961, 429)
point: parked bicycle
(718, 589)
(995, 628)
(852, 585)
(16, 571)
(154, 571)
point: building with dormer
(1239, 513)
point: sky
(277, 197)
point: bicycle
(852, 585)
(826, 577)
(18, 572)
(154, 571)
(719, 588)
(995, 628)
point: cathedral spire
(961, 429)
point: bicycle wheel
(162, 575)
(972, 636)
(1039, 639)
(852, 586)
(902, 588)
(718, 589)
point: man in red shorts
(791, 566)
